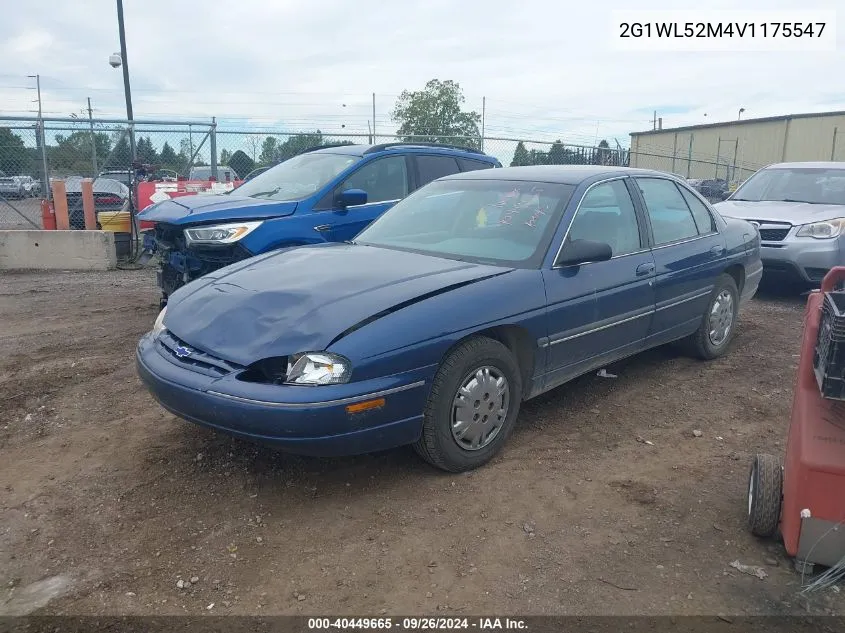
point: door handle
(645, 269)
(717, 250)
(323, 228)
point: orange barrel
(48, 216)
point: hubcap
(721, 317)
(480, 408)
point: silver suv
(799, 210)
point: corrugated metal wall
(735, 150)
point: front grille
(773, 235)
(196, 360)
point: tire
(702, 344)
(765, 489)
(482, 366)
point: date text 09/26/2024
(416, 624)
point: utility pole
(126, 90)
(483, 115)
(654, 125)
(374, 118)
(93, 139)
(41, 142)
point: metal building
(736, 149)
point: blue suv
(326, 194)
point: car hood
(304, 299)
(203, 208)
(790, 212)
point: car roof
(361, 150)
(821, 164)
(563, 174)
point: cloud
(547, 69)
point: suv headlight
(220, 233)
(318, 368)
(158, 326)
(822, 230)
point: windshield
(297, 177)
(488, 221)
(795, 184)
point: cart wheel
(765, 485)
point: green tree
(558, 154)
(268, 151)
(604, 156)
(241, 163)
(538, 157)
(120, 156)
(225, 157)
(520, 156)
(14, 157)
(168, 157)
(435, 114)
(72, 154)
(146, 151)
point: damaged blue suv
(327, 194)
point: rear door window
(433, 167)
(671, 219)
(468, 164)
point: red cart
(805, 497)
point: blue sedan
(475, 293)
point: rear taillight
(109, 200)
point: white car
(17, 186)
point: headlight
(158, 326)
(318, 368)
(822, 230)
(220, 233)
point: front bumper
(312, 420)
(805, 260)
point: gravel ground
(603, 502)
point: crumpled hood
(202, 208)
(792, 212)
(302, 299)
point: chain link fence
(34, 151)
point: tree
(520, 156)
(72, 154)
(558, 154)
(241, 163)
(225, 157)
(604, 156)
(14, 157)
(168, 157)
(186, 150)
(268, 151)
(121, 156)
(145, 151)
(435, 114)
(538, 157)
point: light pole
(739, 114)
(120, 59)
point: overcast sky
(547, 69)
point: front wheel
(472, 407)
(718, 323)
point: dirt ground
(108, 501)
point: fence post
(833, 145)
(45, 172)
(60, 205)
(689, 155)
(213, 147)
(718, 152)
(93, 139)
(87, 185)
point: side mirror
(579, 252)
(351, 198)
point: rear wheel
(472, 407)
(718, 324)
(765, 489)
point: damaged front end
(181, 262)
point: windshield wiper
(799, 201)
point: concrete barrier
(57, 250)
